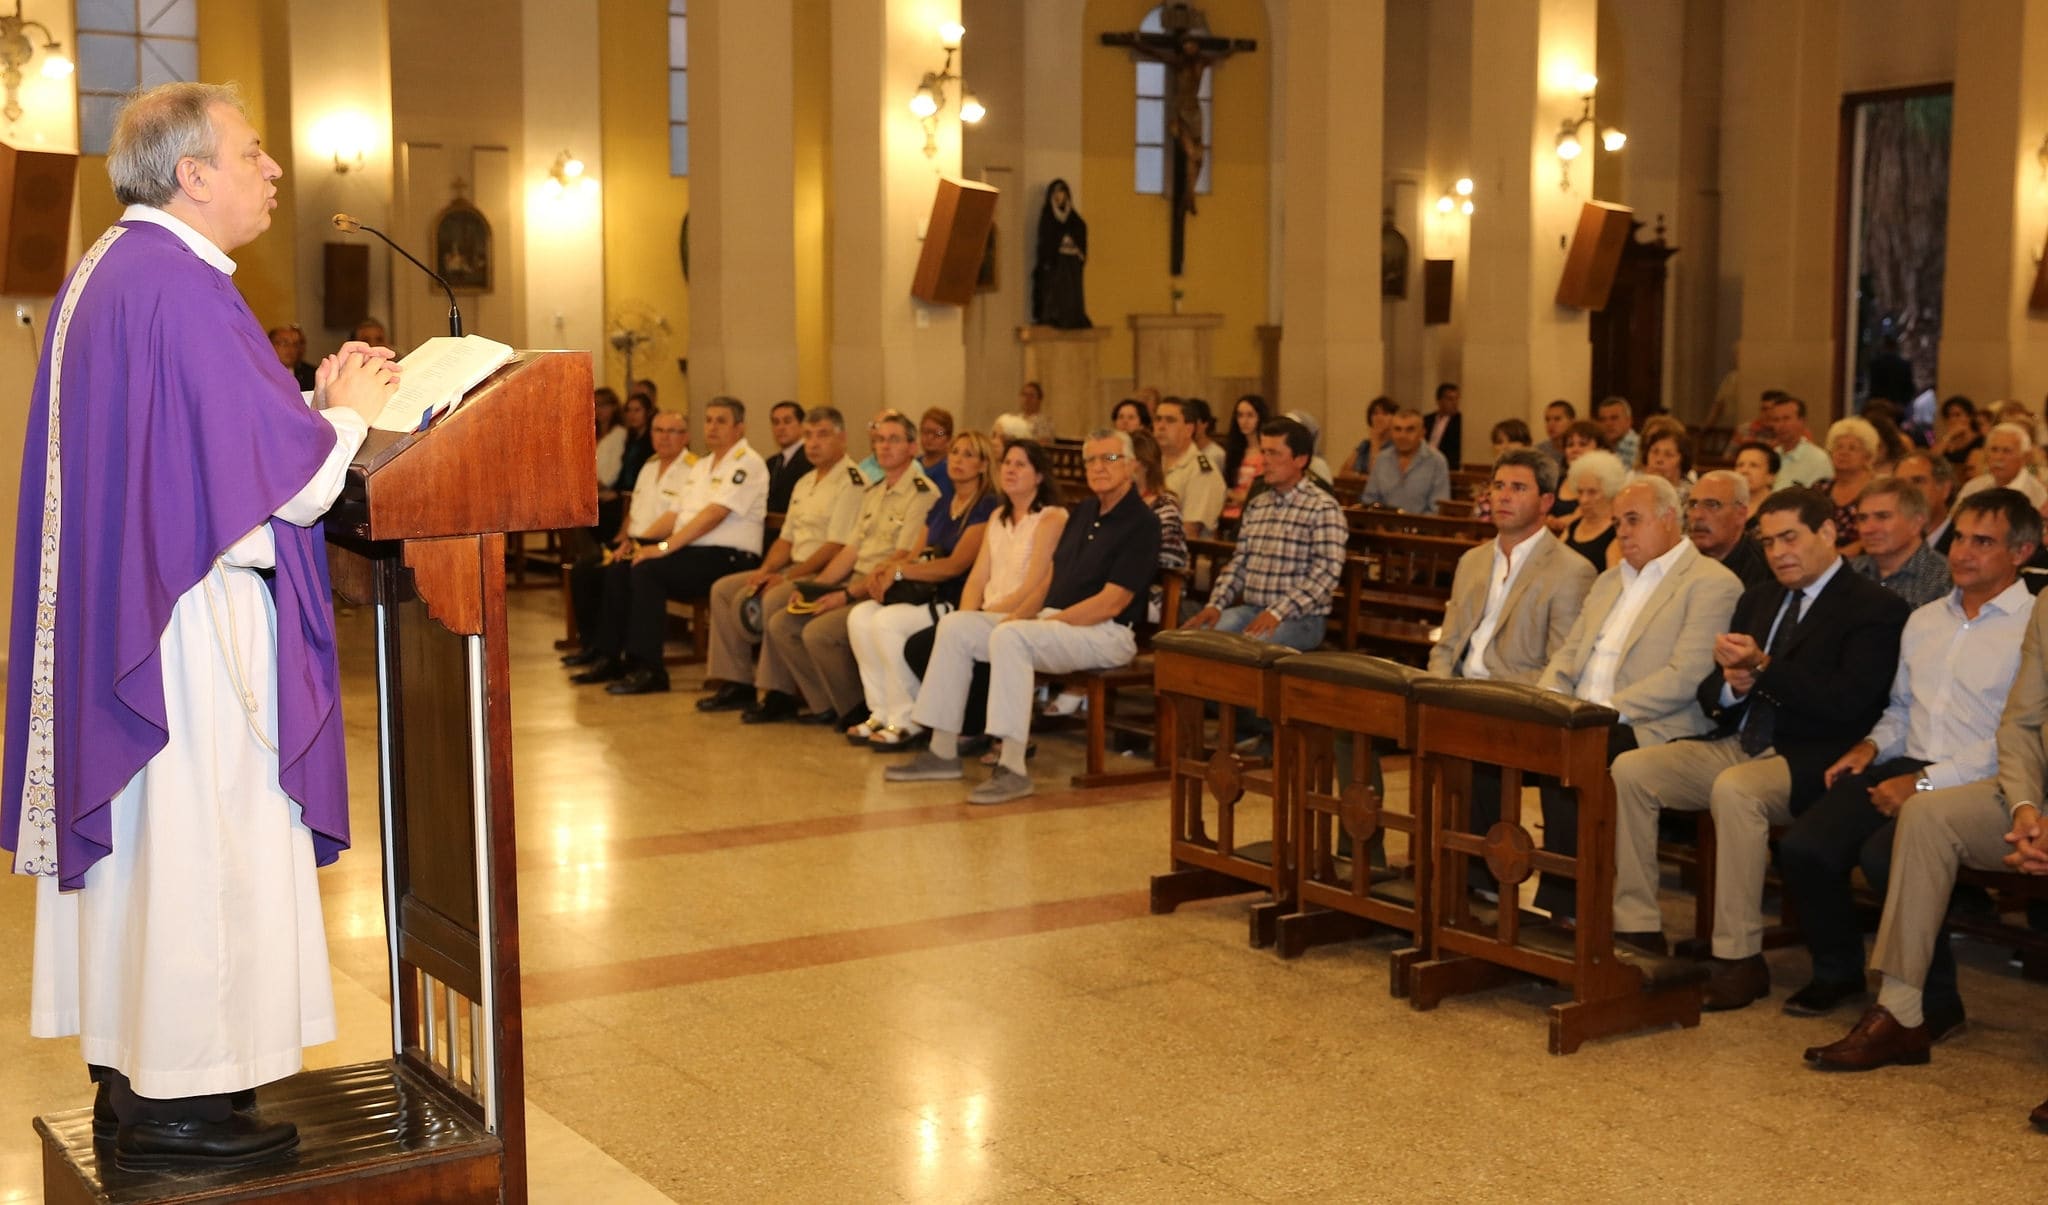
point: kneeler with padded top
(1469, 946)
(1341, 889)
(1192, 670)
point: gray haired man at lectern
(174, 760)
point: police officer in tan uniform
(813, 645)
(822, 509)
(1194, 476)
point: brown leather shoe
(1878, 1040)
(1736, 983)
(2040, 1115)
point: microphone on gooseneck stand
(346, 223)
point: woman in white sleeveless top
(1016, 556)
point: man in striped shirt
(1290, 551)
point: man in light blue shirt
(1932, 762)
(1409, 475)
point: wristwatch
(661, 546)
(899, 575)
(1923, 783)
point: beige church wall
(812, 52)
(1780, 112)
(49, 121)
(245, 42)
(1897, 43)
(339, 70)
(643, 204)
(999, 65)
(1227, 241)
(458, 121)
(1410, 193)
(564, 251)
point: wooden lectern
(419, 534)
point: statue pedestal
(1170, 352)
(1067, 366)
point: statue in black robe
(1057, 299)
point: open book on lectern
(434, 378)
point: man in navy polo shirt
(1101, 573)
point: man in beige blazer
(1513, 600)
(1642, 643)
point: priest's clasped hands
(359, 377)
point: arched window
(678, 88)
(1153, 158)
(124, 45)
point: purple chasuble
(180, 433)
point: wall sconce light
(15, 52)
(930, 97)
(1457, 198)
(346, 137)
(568, 172)
(1569, 144)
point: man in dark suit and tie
(789, 464)
(1802, 674)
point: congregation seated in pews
(1845, 682)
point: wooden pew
(1103, 688)
(1342, 896)
(1469, 530)
(1393, 592)
(1190, 671)
(1526, 731)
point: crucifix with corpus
(1187, 50)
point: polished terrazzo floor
(754, 972)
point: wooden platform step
(371, 1132)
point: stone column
(1991, 346)
(1521, 349)
(1332, 355)
(743, 330)
(1173, 354)
(888, 350)
(1780, 113)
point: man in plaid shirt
(1290, 551)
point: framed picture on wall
(462, 247)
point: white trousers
(878, 634)
(194, 960)
(1015, 652)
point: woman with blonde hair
(1853, 446)
(910, 591)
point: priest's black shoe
(578, 660)
(104, 1122)
(828, 718)
(1821, 997)
(608, 669)
(730, 697)
(240, 1141)
(640, 682)
(773, 707)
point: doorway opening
(1893, 249)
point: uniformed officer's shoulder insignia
(1202, 463)
(853, 471)
(920, 483)
(738, 476)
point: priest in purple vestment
(174, 763)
